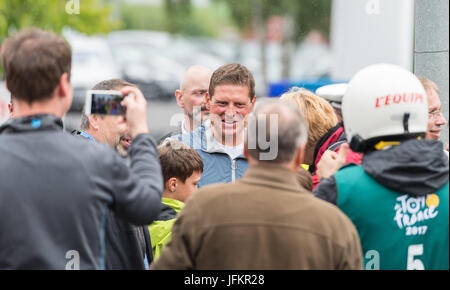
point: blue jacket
(218, 167)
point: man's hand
(331, 161)
(136, 114)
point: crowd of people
(352, 176)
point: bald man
(191, 98)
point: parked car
(156, 75)
(156, 61)
(92, 62)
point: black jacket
(415, 167)
(56, 191)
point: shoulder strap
(335, 146)
(312, 168)
(148, 245)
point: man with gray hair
(128, 246)
(102, 128)
(265, 220)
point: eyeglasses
(434, 115)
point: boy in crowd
(182, 168)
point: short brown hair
(114, 84)
(319, 114)
(232, 74)
(33, 61)
(178, 160)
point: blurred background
(284, 43)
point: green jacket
(397, 231)
(399, 202)
(161, 229)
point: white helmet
(333, 93)
(383, 102)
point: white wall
(365, 32)
(431, 48)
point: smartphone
(104, 103)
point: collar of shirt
(87, 136)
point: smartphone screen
(106, 103)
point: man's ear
(10, 110)
(179, 98)
(172, 184)
(207, 101)
(64, 87)
(253, 103)
(247, 156)
(245, 150)
(300, 154)
(93, 122)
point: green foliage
(178, 11)
(94, 16)
(180, 16)
(144, 17)
(307, 14)
(201, 21)
(241, 13)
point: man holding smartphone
(128, 246)
(56, 190)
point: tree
(177, 10)
(93, 17)
(175, 17)
(301, 16)
(306, 15)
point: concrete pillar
(431, 48)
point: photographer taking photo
(128, 246)
(55, 189)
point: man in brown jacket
(265, 220)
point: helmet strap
(406, 122)
(357, 144)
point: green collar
(173, 203)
